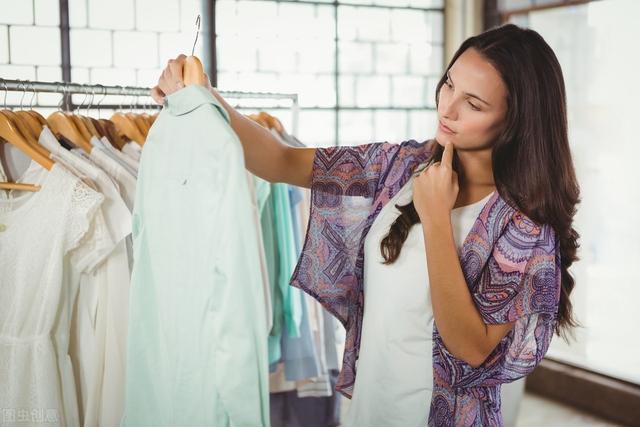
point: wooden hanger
(193, 71)
(111, 132)
(127, 127)
(34, 125)
(140, 123)
(10, 133)
(29, 134)
(64, 126)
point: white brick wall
(78, 13)
(276, 55)
(408, 26)
(408, 91)
(422, 125)
(113, 76)
(48, 74)
(148, 77)
(355, 127)
(80, 75)
(16, 12)
(154, 15)
(390, 126)
(258, 18)
(294, 21)
(391, 58)
(372, 91)
(112, 14)
(90, 48)
(189, 10)
(316, 128)
(173, 44)
(16, 72)
(361, 23)
(236, 53)
(316, 56)
(355, 57)
(34, 45)
(4, 44)
(347, 90)
(313, 90)
(47, 12)
(135, 49)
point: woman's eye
(473, 107)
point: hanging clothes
(48, 239)
(197, 346)
(98, 332)
(133, 150)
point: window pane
(587, 40)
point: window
(120, 42)
(364, 70)
(595, 44)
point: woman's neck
(477, 172)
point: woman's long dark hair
(532, 165)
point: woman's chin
(442, 138)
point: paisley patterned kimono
(511, 266)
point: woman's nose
(449, 109)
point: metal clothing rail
(64, 88)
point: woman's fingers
(175, 68)
(447, 155)
(171, 78)
(157, 95)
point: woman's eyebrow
(467, 93)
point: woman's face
(472, 103)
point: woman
(470, 299)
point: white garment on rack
(133, 150)
(115, 210)
(126, 181)
(126, 160)
(115, 170)
(47, 239)
(98, 339)
(255, 213)
(395, 375)
(98, 145)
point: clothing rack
(93, 90)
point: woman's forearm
(267, 157)
(459, 323)
(264, 155)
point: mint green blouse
(197, 344)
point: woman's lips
(445, 129)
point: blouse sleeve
(343, 186)
(520, 284)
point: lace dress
(44, 241)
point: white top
(100, 329)
(133, 150)
(45, 237)
(394, 370)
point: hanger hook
(58, 86)
(6, 92)
(197, 32)
(86, 94)
(33, 87)
(104, 90)
(90, 104)
(24, 92)
(121, 96)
